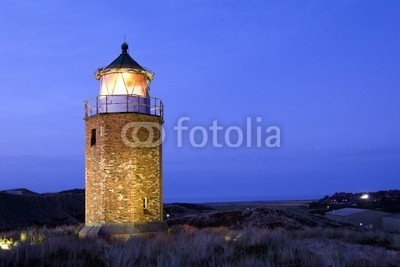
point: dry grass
(188, 246)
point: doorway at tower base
(122, 231)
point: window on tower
(93, 137)
(145, 203)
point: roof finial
(124, 46)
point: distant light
(360, 224)
(6, 244)
(364, 196)
(167, 215)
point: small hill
(24, 208)
(19, 191)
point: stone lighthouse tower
(123, 153)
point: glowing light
(364, 196)
(230, 238)
(6, 244)
(124, 82)
(23, 236)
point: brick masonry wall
(118, 177)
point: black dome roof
(124, 60)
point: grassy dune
(186, 245)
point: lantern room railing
(123, 104)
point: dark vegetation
(186, 245)
(271, 218)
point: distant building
(361, 217)
(391, 223)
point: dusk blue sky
(326, 72)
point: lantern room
(124, 76)
(124, 87)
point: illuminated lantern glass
(124, 82)
(124, 85)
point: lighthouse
(123, 153)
